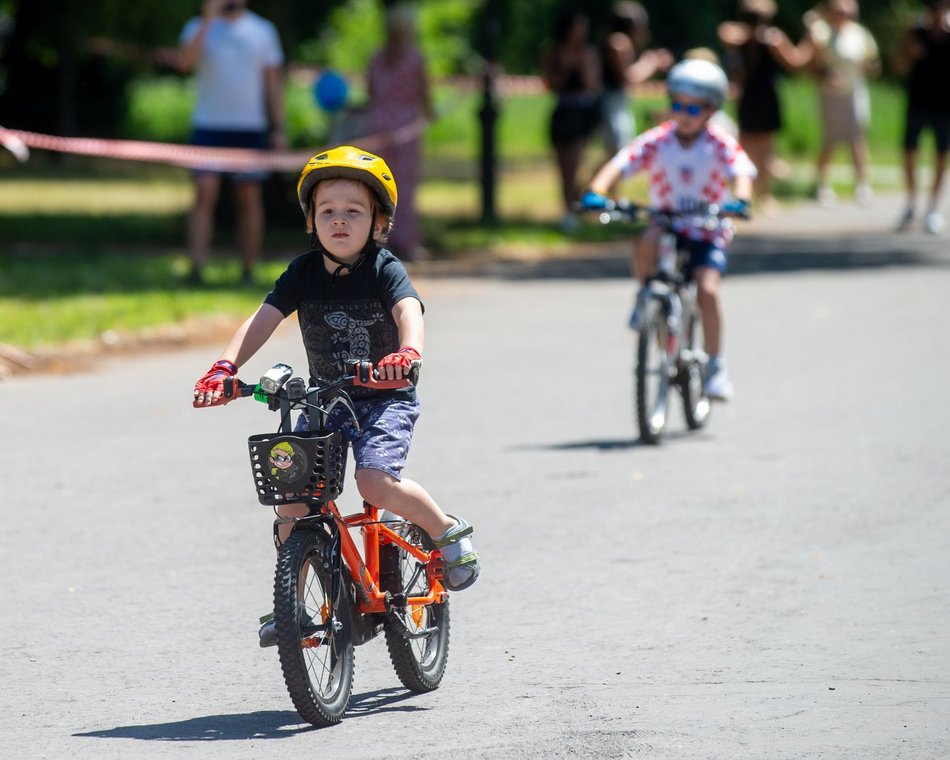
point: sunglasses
(693, 109)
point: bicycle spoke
(418, 634)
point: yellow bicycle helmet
(347, 162)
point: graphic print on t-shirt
(335, 337)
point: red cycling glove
(213, 381)
(404, 358)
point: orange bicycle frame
(364, 568)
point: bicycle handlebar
(364, 376)
(626, 209)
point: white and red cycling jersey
(691, 177)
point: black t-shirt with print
(346, 318)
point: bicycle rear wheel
(417, 636)
(313, 636)
(652, 373)
(696, 406)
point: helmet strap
(369, 247)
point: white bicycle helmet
(698, 79)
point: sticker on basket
(287, 463)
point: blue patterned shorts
(384, 434)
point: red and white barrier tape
(19, 142)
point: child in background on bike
(690, 166)
(354, 301)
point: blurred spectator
(571, 70)
(924, 56)
(843, 54)
(398, 89)
(757, 53)
(626, 63)
(238, 60)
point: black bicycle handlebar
(364, 376)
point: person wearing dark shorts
(757, 53)
(354, 302)
(237, 59)
(924, 56)
(571, 70)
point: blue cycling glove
(737, 207)
(591, 201)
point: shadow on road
(604, 445)
(609, 444)
(262, 724)
(382, 700)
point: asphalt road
(773, 586)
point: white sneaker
(718, 386)
(933, 222)
(906, 220)
(639, 308)
(826, 196)
(863, 194)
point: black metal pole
(488, 116)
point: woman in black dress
(571, 70)
(757, 54)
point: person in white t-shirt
(237, 58)
(843, 54)
(690, 164)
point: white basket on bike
(296, 467)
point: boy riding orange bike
(354, 302)
(690, 165)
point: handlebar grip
(243, 389)
(365, 376)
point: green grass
(50, 299)
(91, 246)
(801, 135)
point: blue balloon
(330, 91)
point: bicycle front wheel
(313, 636)
(417, 636)
(652, 373)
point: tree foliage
(526, 25)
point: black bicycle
(329, 596)
(670, 347)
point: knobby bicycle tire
(417, 637)
(317, 664)
(696, 406)
(652, 373)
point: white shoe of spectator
(933, 222)
(863, 194)
(826, 196)
(569, 223)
